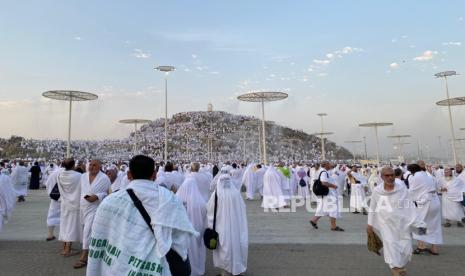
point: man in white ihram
(392, 216)
(327, 205)
(69, 185)
(94, 188)
(123, 243)
(357, 191)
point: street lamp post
(365, 144)
(353, 150)
(166, 69)
(69, 96)
(444, 75)
(399, 142)
(375, 126)
(321, 137)
(262, 97)
(135, 122)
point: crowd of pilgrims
(214, 194)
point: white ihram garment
(272, 194)
(452, 208)
(20, 178)
(99, 187)
(249, 180)
(422, 190)
(7, 199)
(53, 215)
(357, 193)
(231, 225)
(327, 205)
(69, 184)
(195, 204)
(393, 217)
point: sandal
(338, 229)
(314, 225)
(447, 224)
(432, 253)
(50, 238)
(80, 264)
(418, 251)
(70, 253)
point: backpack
(55, 193)
(302, 183)
(318, 188)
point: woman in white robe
(196, 205)
(20, 179)
(231, 225)
(301, 175)
(249, 180)
(273, 196)
(7, 199)
(452, 189)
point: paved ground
(41, 258)
(280, 244)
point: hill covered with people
(200, 135)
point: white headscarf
(231, 225)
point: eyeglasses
(389, 175)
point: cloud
(78, 38)
(14, 104)
(460, 19)
(426, 55)
(394, 65)
(214, 72)
(138, 53)
(322, 74)
(452, 43)
(194, 56)
(321, 61)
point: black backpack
(302, 183)
(318, 188)
(55, 193)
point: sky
(357, 61)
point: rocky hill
(232, 137)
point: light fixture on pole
(365, 144)
(135, 122)
(447, 102)
(262, 97)
(69, 96)
(323, 156)
(452, 102)
(166, 69)
(399, 142)
(375, 126)
(353, 150)
(322, 138)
